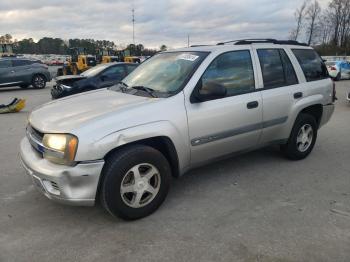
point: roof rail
(198, 45)
(261, 41)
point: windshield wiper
(123, 86)
(148, 90)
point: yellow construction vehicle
(79, 62)
(6, 50)
(132, 59)
(107, 56)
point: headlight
(66, 87)
(60, 148)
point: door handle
(298, 95)
(253, 104)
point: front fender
(101, 147)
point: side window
(311, 63)
(289, 73)
(20, 63)
(130, 68)
(115, 72)
(5, 63)
(276, 68)
(233, 70)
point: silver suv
(176, 111)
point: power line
(133, 25)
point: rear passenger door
(279, 89)
(22, 70)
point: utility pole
(133, 25)
(188, 40)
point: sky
(157, 22)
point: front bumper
(326, 114)
(58, 91)
(73, 185)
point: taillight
(334, 93)
(333, 68)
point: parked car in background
(178, 110)
(23, 72)
(338, 69)
(101, 76)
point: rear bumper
(327, 113)
(76, 185)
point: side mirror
(209, 91)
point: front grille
(37, 134)
(35, 138)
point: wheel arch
(315, 110)
(163, 144)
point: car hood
(70, 77)
(67, 114)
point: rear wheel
(75, 70)
(135, 182)
(302, 138)
(39, 81)
(60, 72)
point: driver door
(230, 124)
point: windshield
(165, 72)
(94, 71)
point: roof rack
(263, 41)
(198, 45)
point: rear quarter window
(311, 63)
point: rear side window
(311, 63)
(277, 70)
(5, 63)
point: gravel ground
(254, 207)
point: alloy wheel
(140, 185)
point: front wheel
(136, 180)
(302, 138)
(39, 82)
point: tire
(75, 70)
(294, 148)
(39, 81)
(118, 175)
(60, 72)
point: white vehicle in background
(338, 69)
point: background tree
(163, 48)
(299, 16)
(312, 15)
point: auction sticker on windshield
(188, 57)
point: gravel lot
(255, 207)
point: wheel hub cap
(305, 137)
(140, 185)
